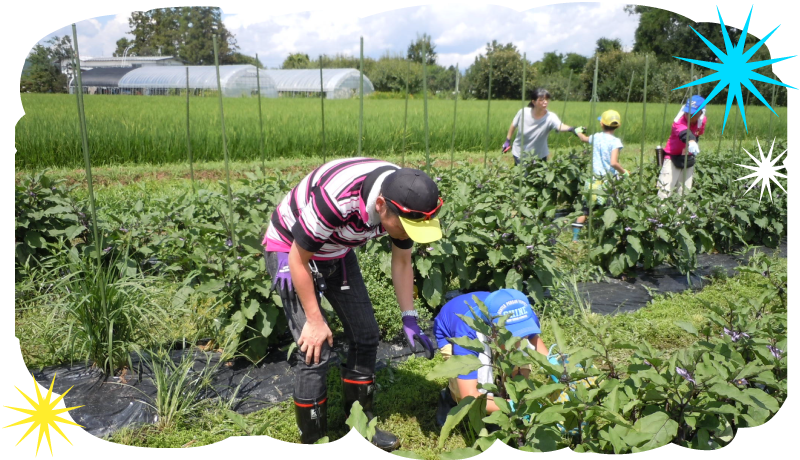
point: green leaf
(467, 343)
(635, 243)
(513, 280)
(609, 217)
(250, 311)
(35, 240)
(408, 454)
(617, 265)
(358, 420)
(211, 286)
(455, 416)
(559, 336)
(73, 231)
(498, 418)
(456, 454)
(687, 326)
(182, 296)
(762, 400)
(658, 427)
(455, 366)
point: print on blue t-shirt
(448, 324)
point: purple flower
(530, 247)
(506, 235)
(107, 249)
(735, 336)
(182, 239)
(648, 363)
(123, 230)
(776, 352)
(685, 374)
(741, 382)
(238, 257)
(228, 242)
(81, 215)
(627, 229)
(429, 248)
(479, 186)
(651, 220)
(258, 200)
(31, 194)
(438, 179)
(660, 225)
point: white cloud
(460, 32)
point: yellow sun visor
(422, 231)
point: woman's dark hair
(537, 93)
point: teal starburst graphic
(733, 70)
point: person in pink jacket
(679, 153)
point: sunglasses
(425, 215)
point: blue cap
(693, 104)
(523, 322)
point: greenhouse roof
(308, 79)
(103, 76)
(175, 76)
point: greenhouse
(336, 83)
(235, 80)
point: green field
(152, 130)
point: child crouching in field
(605, 161)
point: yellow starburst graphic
(43, 415)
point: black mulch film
(116, 402)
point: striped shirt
(332, 210)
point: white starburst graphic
(765, 171)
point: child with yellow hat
(605, 161)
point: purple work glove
(283, 278)
(507, 146)
(411, 331)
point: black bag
(678, 161)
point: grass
(152, 130)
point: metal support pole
(488, 111)
(405, 116)
(232, 225)
(260, 123)
(86, 158)
(644, 122)
(564, 111)
(361, 94)
(771, 115)
(188, 136)
(455, 112)
(322, 106)
(591, 157)
(425, 106)
(627, 101)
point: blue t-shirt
(603, 144)
(448, 324)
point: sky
(459, 32)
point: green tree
(183, 32)
(551, 63)
(574, 62)
(44, 72)
(296, 61)
(415, 49)
(604, 45)
(506, 71)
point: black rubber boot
(360, 387)
(312, 418)
(446, 402)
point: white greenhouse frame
(235, 80)
(336, 83)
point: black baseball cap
(415, 197)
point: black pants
(355, 312)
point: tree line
(185, 32)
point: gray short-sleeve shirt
(535, 132)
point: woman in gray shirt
(538, 123)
